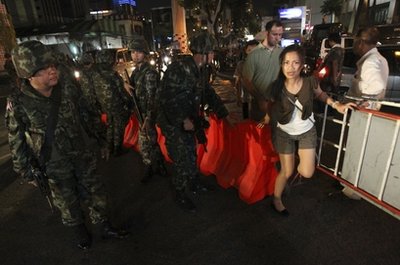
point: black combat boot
(148, 174)
(107, 231)
(82, 237)
(184, 202)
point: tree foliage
(222, 17)
(243, 18)
(331, 7)
(206, 11)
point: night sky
(146, 5)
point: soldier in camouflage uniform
(62, 144)
(184, 92)
(86, 81)
(66, 67)
(114, 101)
(145, 82)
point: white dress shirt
(371, 77)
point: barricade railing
(367, 156)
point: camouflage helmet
(59, 56)
(202, 43)
(87, 58)
(139, 44)
(105, 57)
(31, 56)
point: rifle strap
(52, 119)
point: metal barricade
(367, 156)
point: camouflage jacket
(145, 80)
(183, 91)
(110, 91)
(87, 85)
(27, 117)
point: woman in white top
(292, 119)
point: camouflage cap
(31, 56)
(139, 44)
(202, 43)
(105, 57)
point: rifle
(37, 168)
(42, 181)
(199, 121)
(136, 108)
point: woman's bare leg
(287, 166)
(306, 165)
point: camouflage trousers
(181, 146)
(73, 180)
(115, 130)
(149, 148)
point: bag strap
(294, 104)
(52, 120)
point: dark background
(144, 6)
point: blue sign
(125, 2)
(290, 13)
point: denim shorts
(285, 143)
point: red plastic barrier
(131, 135)
(241, 156)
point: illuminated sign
(290, 13)
(101, 12)
(125, 2)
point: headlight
(152, 62)
(167, 59)
(77, 74)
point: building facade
(75, 24)
(357, 13)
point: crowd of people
(55, 122)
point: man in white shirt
(370, 80)
(372, 73)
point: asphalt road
(324, 227)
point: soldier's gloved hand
(105, 153)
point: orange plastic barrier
(241, 156)
(131, 135)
